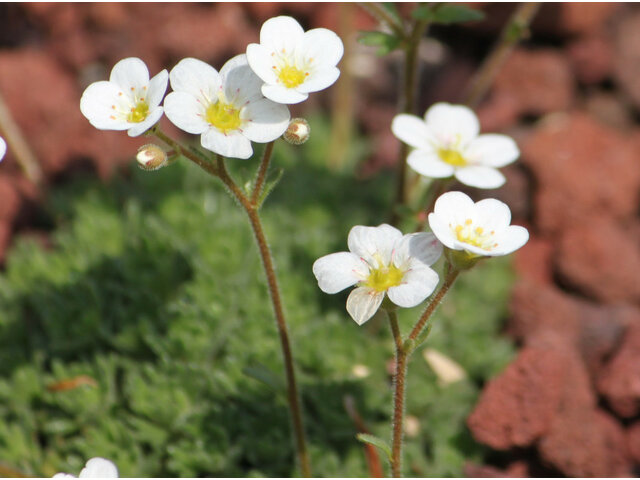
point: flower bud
(297, 132)
(151, 157)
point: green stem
(399, 379)
(262, 172)
(378, 12)
(515, 29)
(219, 170)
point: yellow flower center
(291, 76)
(224, 116)
(452, 157)
(383, 278)
(475, 236)
(139, 112)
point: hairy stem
(262, 172)
(399, 378)
(516, 28)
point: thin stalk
(262, 172)
(407, 105)
(219, 170)
(452, 274)
(515, 29)
(398, 397)
(378, 12)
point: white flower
(480, 229)
(227, 109)
(293, 62)
(381, 260)
(128, 101)
(447, 143)
(3, 148)
(96, 468)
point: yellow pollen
(479, 230)
(474, 236)
(383, 278)
(224, 116)
(290, 76)
(452, 157)
(138, 113)
(468, 221)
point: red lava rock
(619, 381)
(627, 56)
(601, 260)
(585, 17)
(517, 469)
(591, 58)
(610, 109)
(533, 262)
(517, 407)
(583, 169)
(633, 441)
(534, 82)
(10, 199)
(585, 442)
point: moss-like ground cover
(152, 287)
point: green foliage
(152, 287)
(376, 442)
(447, 13)
(386, 42)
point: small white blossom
(227, 109)
(95, 468)
(3, 148)
(480, 229)
(128, 101)
(447, 144)
(292, 62)
(381, 260)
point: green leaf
(393, 11)
(386, 42)
(447, 14)
(376, 442)
(264, 375)
(272, 180)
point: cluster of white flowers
(96, 467)
(242, 103)
(3, 148)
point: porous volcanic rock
(591, 57)
(533, 262)
(627, 56)
(600, 259)
(633, 441)
(619, 380)
(582, 169)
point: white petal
(423, 247)
(363, 303)
(417, 284)
(412, 130)
(480, 177)
(63, 475)
(443, 232)
(454, 207)
(157, 88)
(265, 120)
(322, 47)
(196, 77)
(130, 72)
(319, 80)
(260, 61)
(139, 128)
(186, 112)
(492, 214)
(338, 271)
(452, 124)
(232, 144)
(282, 94)
(3, 148)
(240, 83)
(428, 163)
(512, 238)
(369, 242)
(280, 33)
(492, 150)
(99, 468)
(97, 104)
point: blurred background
(134, 320)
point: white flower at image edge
(226, 109)
(3, 148)
(128, 101)
(292, 62)
(381, 261)
(447, 143)
(480, 229)
(95, 468)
